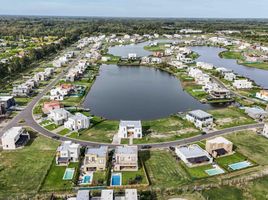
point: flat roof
(131, 194)
(12, 132)
(200, 114)
(256, 111)
(101, 151)
(126, 149)
(192, 151)
(82, 195)
(219, 140)
(130, 123)
(5, 98)
(107, 195)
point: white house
(204, 65)
(130, 129)
(256, 113)
(263, 94)
(193, 155)
(229, 76)
(77, 122)
(59, 116)
(125, 158)
(200, 118)
(132, 56)
(67, 152)
(265, 130)
(22, 90)
(14, 138)
(242, 84)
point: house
(229, 76)
(219, 146)
(22, 90)
(59, 116)
(51, 105)
(126, 158)
(82, 195)
(32, 83)
(132, 56)
(61, 91)
(256, 113)
(67, 152)
(77, 122)
(265, 130)
(49, 71)
(193, 155)
(130, 129)
(263, 94)
(14, 138)
(95, 159)
(40, 76)
(242, 84)
(108, 194)
(7, 101)
(200, 118)
(204, 65)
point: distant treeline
(75, 26)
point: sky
(138, 8)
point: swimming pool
(116, 179)
(68, 174)
(214, 171)
(240, 165)
(86, 179)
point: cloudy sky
(138, 8)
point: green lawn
(223, 193)
(23, 101)
(227, 160)
(128, 177)
(51, 127)
(22, 170)
(99, 178)
(54, 180)
(230, 117)
(251, 145)
(163, 169)
(100, 131)
(197, 172)
(64, 131)
(260, 65)
(231, 55)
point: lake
(138, 93)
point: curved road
(27, 115)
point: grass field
(257, 65)
(258, 188)
(230, 117)
(99, 178)
(22, 170)
(251, 145)
(223, 193)
(54, 180)
(231, 55)
(163, 169)
(127, 177)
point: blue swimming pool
(68, 174)
(116, 179)
(240, 165)
(214, 171)
(86, 179)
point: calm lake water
(133, 93)
(211, 55)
